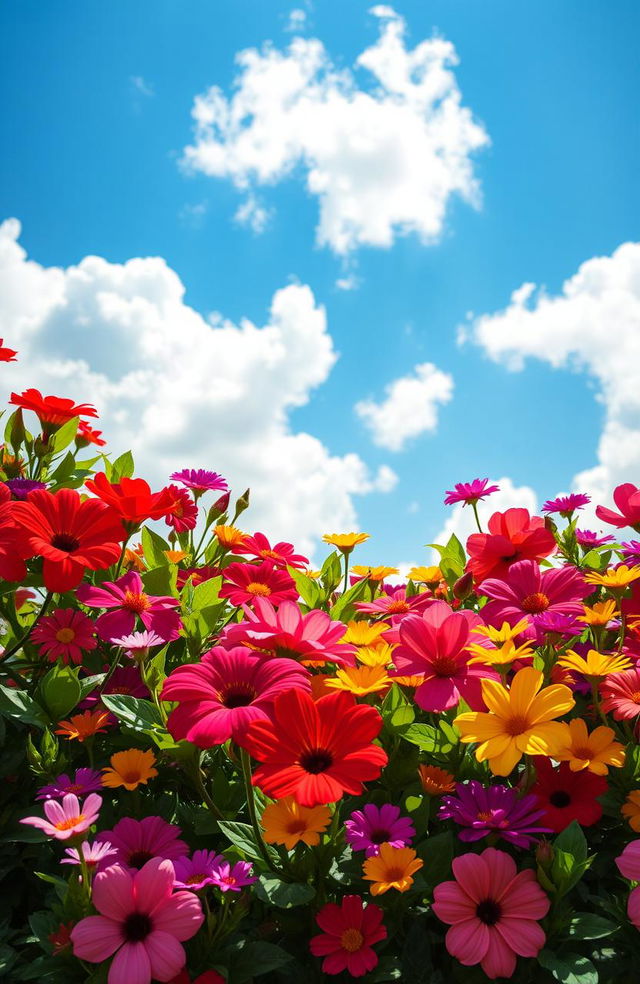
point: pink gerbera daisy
(281, 554)
(566, 504)
(395, 603)
(243, 583)
(183, 514)
(92, 854)
(85, 781)
(232, 878)
(526, 591)
(66, 634)
(128, 601)
(588, 539)
(620, 694)
(197, 871)
(470, 492)
(629, 867)
(200, 480)
(137, 841)
(67, 818)
(349, 932)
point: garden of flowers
(220, 764)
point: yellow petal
(525, 686)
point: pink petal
(181, 915)
(166, 955)
(468, 941)
(525, 898)
(500, 960)
(153, 884)
(96, 938)
(131, 965)
(473, 875)
(113, 893)
(503, 870)
(524, 936)
(633, 907)
(451, 904)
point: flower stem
(19, 644)
(251, 806)
(474, 506)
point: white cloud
(383, 155)
(349, 282)
(410, 407)
(593, 326)
(183, 392)
(297, 20)
(462, 521)
(251, 213)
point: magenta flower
(629, 867)
(200, 480)
(620, 694)
(433, 645)
(627, 499)
(232, 878)
(526, 591)
(93, 854)
(631, 552)
(183, 514)
(588, 539)
(85, 781)
(281, 554)
(470, 492)
(566, 504)
(286, 632)
(128, 599)
(221, 695)
(243, 583)
(484, 810)
(395, 603)
(65, 634)
(20, 487)
(67, 818)
(198, 870)
(142, 921)
(372, 826)
(566, 625)
(137, 841)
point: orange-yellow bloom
(345, 542)
(506, 632)
(519, 721)
(229, 536)
(597, 665)
(175, 556)
(502, 655)
(436, 781)
(364, 634)
(600, 614)
(393, 867)
(360, 680)
(631, 810)
(595, 751)
(375, 574)
(618, 577)
(83, 726)
(133, 559)
(130, 769)
(425, 575)
(380, 655)
(286, 822)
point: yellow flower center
(485, 816)
(255, 588)
(65, 635)
(534, 603)
(398, 607)
(351, 940)
(136, 603)
(69, 823)
(635, 697)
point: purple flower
(631, 552)
(20, 487)
(198, 870)
(588, 539)
(566, 504)
(374, 825)
(470, 492)
(200, 480)
(93, 854)
(85, 781)
(232, 878)
(493, 809)
(559, 622)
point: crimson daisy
(566, 796)
(280, 554)
(243, 583)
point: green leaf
(308, 589)
(241, 836)
(589, 926)
(18, 706)
(570, 968)
(437, 854)
(65, 435)
(161, 580)
(284, 895)
(343, 608)
(427, 738)
(572, 841)
(14, 433)
(122, 467)
(87, 684)
(141, 715)
(206, 594)
(254, 959)
(331, 572)
(153, 548)
(396, 709)
(455, 550)
(60, 690)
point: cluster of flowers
(231, 751)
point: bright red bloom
(318, 750)
(513, 535)
(196, 575)
(7, 354)
(60, 939)
(87, 435)
(243, 583)
(627, 499)
(70, 535)
(13, 547)
(350, 930)
(131, 498)
(281, 554)
(183, 514)
(566, 796)
(51, 410)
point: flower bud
(463, 586)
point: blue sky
(91, 166)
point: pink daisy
(183, 514)
(620, 694)
(128, 599)
(566, 504)
(197, 871)
(200, 480)
(368, 828)
(470, 492)
(232, 878)
(627, 499)
(66, 634)
(243, 583)
(629, 867)
(281, 554)
(137, 841)
(67, 818)
(526, 591)
(394, 602)
(588, 539)
(92, 854)
(85, 781)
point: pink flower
(200, 480)
(243, 583)
(493, 912)
(137, 841)
(470, 492)
(93, 854)
(627, 499)
(128, 599)
(527, 591)
(566, 504)
(232, 878)
(196, 872)
(67, 818)
(141, 921)
(183, 514)
(220, 696)
(281, 554)
(138, 644)
(85, 781)
(350, 930)
(65, 634)
(629, 867)
(433, 645)
(620, 694)
(368, 828)
(286, 632)
(395, 603)
(588, 539)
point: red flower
(209, 977)
(131, 498)
(60, 939)
(281, 554)
(349, 932)
(87, 435)
(566, 796)
(513, 535)
(51, 410)
(196, 574)
(7, 354)
(627, 499)
(70, 535)
(183, 512)
(13, 549)
(316, 750)
(245, 582)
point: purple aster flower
(198, 870)
(232, 878)
(374, 825)
(20, 487)
(484, 810)
(588, 539)
(85, 781)
(470, 492)
(93, 854)
(631, 552)
(566, 625)
(566, 504)
(200, 480)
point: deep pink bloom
(395, 603)
(67, 818)
(142, 921)
(566, 504)
(631, 552)
(558, 623)
(243, 583)
(368, 828)
(200, 480)
(629, 867)
(627, 499)
(497, 810)
(183, 514)
(85, 781)
(20, 487)
(513, 535)
(286, 632)
(93, 854)
(433, 645)
(128, 600)
(197, 871)
(349, 932)
(221, 695)
(470, 492)
(588, 539)
(137, 841)
(620, 694)
(526, 591)
(232, 878)
(281, 554)
(493, 912)
(66, 634)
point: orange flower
(83, 726)
(631, 810)
(229, 536)
(600, 614)
(130, 769)
(393, 867)
(595, 751)
(133, 559)
(360, 680)
(286, 822)
(175, 556)
(345, 542)
(436, 781)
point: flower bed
(219, 765)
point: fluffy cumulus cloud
(184, 391)
(410, 407)
(383, 146)
(462, 521)
(592, 325)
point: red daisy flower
(67, 633)
(566, 796)
(513, 535)
(183, 514)
(318, 750)
(70, 535)
(349, 931)
(7, 354)
(132, 498)
(243, 583)
(281, 554)
(52, 411)
(87, 435)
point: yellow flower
(501, 655)
(631, 810)
(314, 575)
(374, 573)
(596, 666)
(506, 633)
(425, 575)
(595, 751)
(436, 781)
(410, 681)
(618, 577)
(600, 614)
(393, 867)
(130, 769)
(229, 536)
(345, 542)
(175, 556)
(83, 726)
(286, 822)
(360, 680)
(364, 634)
(519, 722)
(380, 655)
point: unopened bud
(241, 504)
(219, 507)
(544, 854)
(463, 586)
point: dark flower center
(380, 836)
(138, 858)
(65, 541)
(316, 760)
(239, 695)
(137, 927)
(488, 912)
(559, 798)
